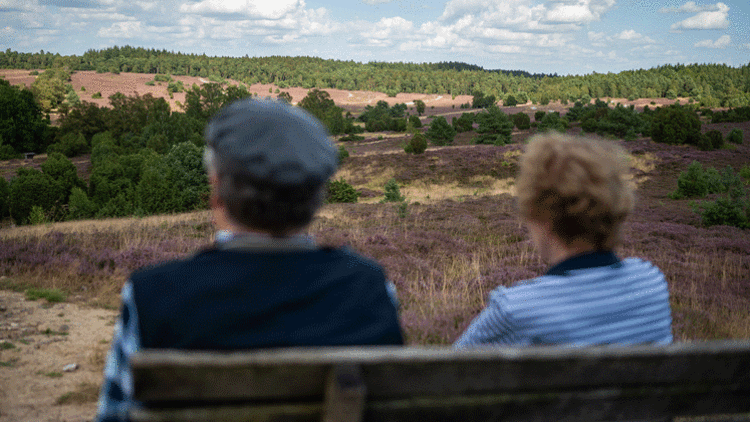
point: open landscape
(452, 239)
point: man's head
(577, 187)
(268, 163)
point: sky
(567, 37)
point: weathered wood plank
(397, 372)
(345, 394)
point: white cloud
(131, 29)
(714, 19)
(375, 2)
(689, 7)
(385, 32)
(631, 35)
(722, 42)
(253, 8)
(17, 6)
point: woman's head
(578, 187)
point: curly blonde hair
(579, 186)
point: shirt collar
(260, 242)
(584, 260)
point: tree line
(710, 85)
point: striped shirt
(586, 300)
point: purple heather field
(444, 255)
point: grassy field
(456, 238)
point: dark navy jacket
(234, 299)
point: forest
(710, 85)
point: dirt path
(34, 349)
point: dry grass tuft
(85, 393)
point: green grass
(6, 345)
(52, 295)
(6, 364)
(50, 374)
(49, 332)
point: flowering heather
(444, 255)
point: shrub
(343, 153)
(8, 153)
(37, 216)
(96, 95)
(713, 181)
(735, 136)
(440, 131)
(510, 101)
(186, 177)
(692, 183)
(415, 121)
(352, 137)
(745, 172)
(4, 198)
(553, 121)
(539, 115)
(416, 145)
(522, 121)
(162, 78)
(339, 191)
(465, 123)
(64, 172)
(725, 211)
(676, 124)
(71, 145)
(119, 206)
(392, 192)
(716, 139)
(150, 83)
(494, 127)
(80, 207)
(33, 188)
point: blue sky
(560, 36)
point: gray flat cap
(272, 143)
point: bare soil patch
(37, 340)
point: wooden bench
(442, 384)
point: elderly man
(264, 283)
(573, 197)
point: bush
(162, 78)
(494, 127)
(392, 192)
(343, 153)
(63, 171)
(553, 121)
(676, 124)
(735, 136)
(415, 121)
(522, 121)
(465, 123)
(80, 207)
(351, 137)
(339, 191)
(745, 172)
(33, 188)
(725, 211)
(539, 115)
(8, 153)
(510, 101)
(96, 95)
(440, 132)
(716, 139)
(692, 183)
(71, 145)
(37, 216)
(416, 145)
(4, 198)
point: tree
(676, 124)
(417, 144)
(465, 123)
(22, 125)
(510, 101)
(32, 188)
(420, 105)
(63, 171)
(440, 132)
(317, 102)
(286, 97)
(494, 127)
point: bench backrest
(437, 384)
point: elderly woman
(573, 197)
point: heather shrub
(692, 183)
(416, 145)
(522, 121)
(735, 136)
(440, 132)
(392, 192)
(339, 191)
